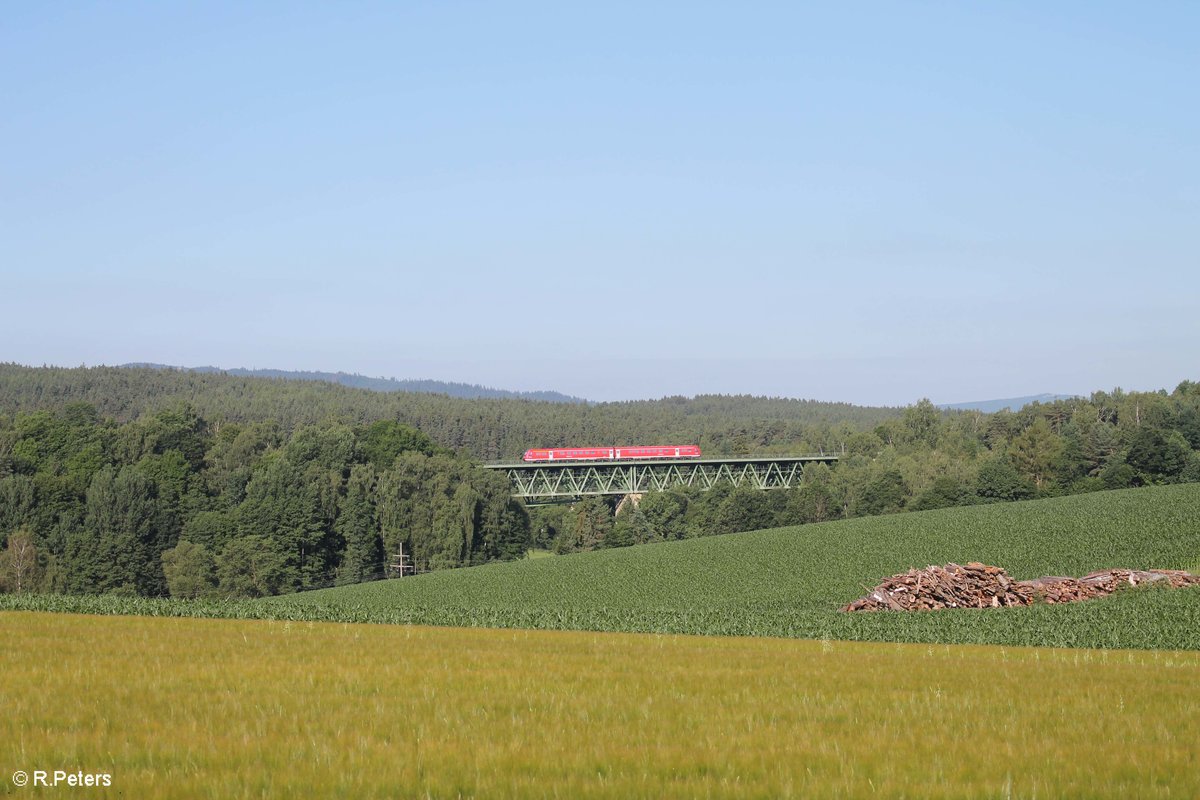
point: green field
(301, 703)
(239, 709)
(790, 582)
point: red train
(613, 453)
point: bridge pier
(633, 498)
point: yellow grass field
(226, 709)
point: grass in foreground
(226, 709)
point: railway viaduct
(561, 481)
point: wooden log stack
(977, 585)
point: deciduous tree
(19, 567)
(190, 570)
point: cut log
(978, 585)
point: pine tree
(359, 529)
(116, 547)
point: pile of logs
(1106, 581)
(982, 586)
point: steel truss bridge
(558, 481)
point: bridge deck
(547, 481)
(648, 461)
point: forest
(174, 504)
(488, 429)
(157, 482)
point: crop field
(234, 708)
(790, 582)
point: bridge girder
(547, 482)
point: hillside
(468, 391)
(790, 581)
(487, 428)
(1008, 403)
(112, 474)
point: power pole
(400, 565)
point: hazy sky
(870, 202)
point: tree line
(491, 429)
(170, 499)
(173, 504)
(922, 460)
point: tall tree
(744, 509)
(380, 442)
(289, 505)
(922, 420)
(666, 513)
(591, 522)
(1035, 452)
(1157, 455)
(19, 567)
(116, 547)
(999, 481)
(885, 494)
(18, 502)
(810, 502)
(190, 570)
(631, 527)
(357, 525)
(253, 566)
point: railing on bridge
(547, 482)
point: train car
(613, 453)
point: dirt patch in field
(976, 585)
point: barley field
(195, 708)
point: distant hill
(467, 391)
(1011, 403)
(489, 428)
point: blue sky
(871, 202)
